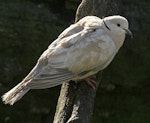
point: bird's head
(117, 24)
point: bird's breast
(90, 55)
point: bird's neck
(118, 40)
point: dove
(80, 51)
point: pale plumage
(81, 50)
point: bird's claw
(91, 82)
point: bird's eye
(118, 24)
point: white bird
(80, 51)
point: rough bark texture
(76, 101)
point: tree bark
(76, 100)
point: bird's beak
(128, 32)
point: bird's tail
(15, 93)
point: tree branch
(76, 100)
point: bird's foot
(91, 81)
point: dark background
(27, 27)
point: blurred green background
(27, 27)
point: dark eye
(118, 24)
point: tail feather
(15, 94)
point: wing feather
(45, 76)
(51, 79)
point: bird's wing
(44, 75)
(72, 29)
(69, 56)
